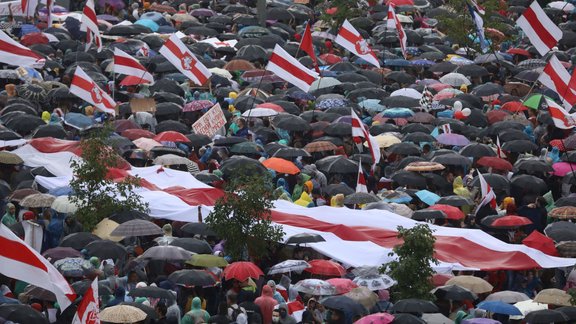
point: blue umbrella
(78, 121)
(397, 62)
(428, 197)
(152, 15)
(148, 23)
(423, 62)
(499, 307)
(398, 197)
(397, 113)
(372, 105)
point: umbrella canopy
(122, 314)
(508, 296)
(315, 287)
(474, 284)
(189, 278)
(207, 260)
(21, 314)
(303, 238)
(105, 249)
(375, 281)
(553, 296)
(193, 245)
(166, 252)
(454, 292)
(137, 227)
(343, 285)
(414, 306)
(38, 200)
(288, 266)
(498, 307)
(241, 271)
(79, 240)
(325, 268)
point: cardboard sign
(143, 104)
(211, 122)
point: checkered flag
(426, 100)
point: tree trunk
(261, 7)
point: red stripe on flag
(352, 38)
(18, 252)
(90, 14)
(289, 67)
(13, 49)
(124, 61)
(540, 29)
(561, 87)
(178, 53)
(82, 83)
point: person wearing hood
(71, 225)
(305, 200)
(383, 304)
(9, 217)
(276, 295)
(196, 314)
(299, 187)
(310, 316)
(282, 315)
(266, 302)
(459, 189)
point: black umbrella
(409, 178)
(337, 164)
(78, 240)
(527, 75)
(565, 201)
(290, 153)
(561, 231)
(80, 287)
(477, 150)
(519, 146)
(344, 304)
(360, 198)
(383, 128)
(414, 306)
(412, 128)
(472, 70)
(55, 131)
(338, 129)
(197, 140)
(168, 97)
(291, 123)
(404, 318)
(27, 109)
(197, 229)
(366, 93)
(304, 238)
(344, 67)
(496, 181)
(128, 30)
(201, 31)
(569, 311)
(443, 67)
(525, 183)
(229, 141)
(21, 314)
(192, 245)
(512, 134)
(105, 249)
(454, 292)
(188, 278)
(401, 77)
(340, 188)
(545, 316)
(127, 215)
(405, 148)
(168, 108)
(253, 53)
(288, 106)
(172, 125)
(456, 201)
(239, 164)
(487, 89)
(166, 85)
(533, 165)
(24, 124)
(419, 137)
(452, 159)
(425, 214)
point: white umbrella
(63, 205)
(260, 112)
(315, 287)
(526, 307)
(170, 159)
(561, 5)
(455, 79)
(407, 92)
(122, 314)
(289, 266)
(324, 83)
(508, 296)
(436, 318)
(221, 72)
(166, 252)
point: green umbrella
(534, 101)
(207, 260)
(245, 148)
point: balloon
(459, 115)
(466, 112)
(457, 106)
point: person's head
(272, 284)
(133, 277)
(312, 303)
(167, 229)
(231, 299)
(161, 310)
(11, 208)
(283, 310)
(241, 122)
(276, 316)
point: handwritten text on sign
(211, 122)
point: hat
(36, 306)
(29, 215)
(167, 229)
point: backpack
(236, 310)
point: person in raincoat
(196, 314)
(266, 302)
(459, 188)
(299, 187)
(305, 200)
(337, 201)
(9, 217)
(276, 294)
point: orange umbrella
(281, 165)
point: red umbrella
(242, 270)
(495, 163)
(34, 38)
(539, 241)
(400, 2)
(510, 221)
(330, 58)
(272, 106)
(133, 134)
(121, 125)
(519, 51)
(171, 136)
(496, 116)
(451, 212)
(326, 268)
(133, 80)
(343, 285)
(514, 106)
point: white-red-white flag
(182, 58)
(561, 118)
(349, 38)
(500, 153)
(541, 30)
(29, 7)
(556, 78)
(49, 8)
(360, 134)
(290, 70)
(21, 262)
(488, 195)
(88, 309)
(361, 180)
(16, 54)
(89, 24)
(127, 65)
(86, 89)
(394, 23)
(446, 129)
(218, 43)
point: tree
(98, 195)
(460, 28)
(413, 269)
(336, 11)
(242, 216)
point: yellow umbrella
(104, 228)
(363, 296)
(474, 284)
(553, 296)
(122, 314)
(385, 141)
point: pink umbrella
(377, 318)
(563, 168)
(197, 105)
(452, 139)
(439, 86)
(343, 285)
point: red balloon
(459, 115)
